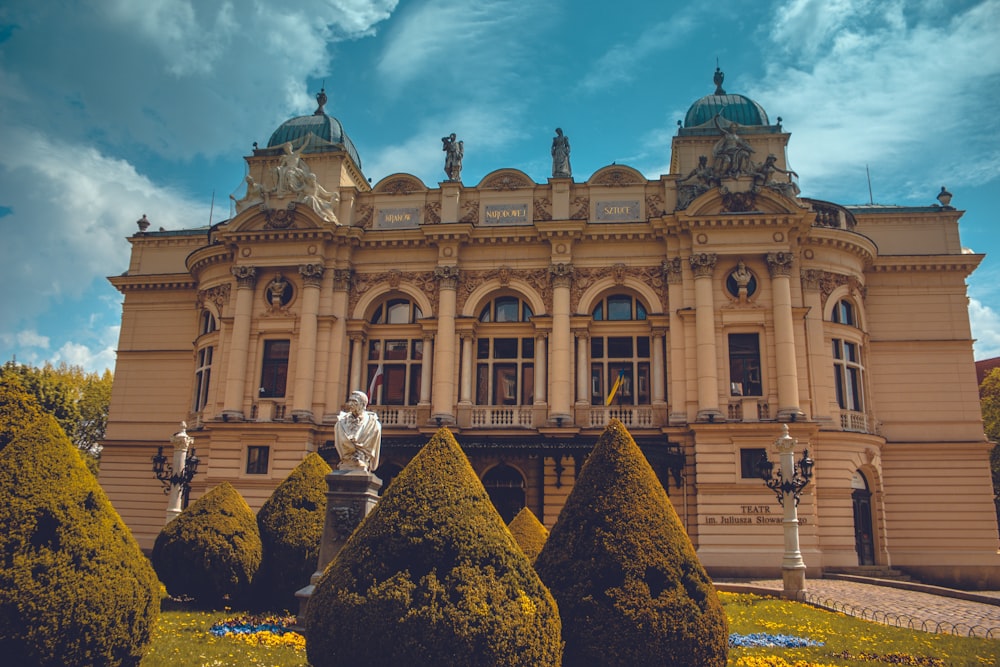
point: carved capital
(246, 276)
(342, 279)
(673, 271)
(447, 276)
(703, 264)
(779, 264)
(811, 279)
(561, 275)
(312, 274)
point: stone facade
(720, 302)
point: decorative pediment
(732, 197)
(617, 176)
(294, 216)
(399, 184)
(506, 179)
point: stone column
(426, 365)
(779, 264)
(305, 375)
(336, 392)
(562, 348)
(819, 356)
(357, 363)
(541, 375)
(656, 359)
(467, 365)
(673, 270)
(703, 266)
(582, 371)
(443, 391)
(246, 280)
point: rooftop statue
(290, 174)
(731, 152)
(560, 156)
(255, 194)
(358, 435)
(320, 199)
(697, 182)
(762, 177)
(454, 152)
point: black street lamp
(802, 472)
(165, 473)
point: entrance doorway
(864, 538)
(505, 486)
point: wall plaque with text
(506, 214)
(397, 218)
(617, 211)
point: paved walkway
(942, 610)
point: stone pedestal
(350, 496)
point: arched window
(619, 357)
(203, 361)
(843, 313)
(618, 307)
(395, 353)
(505, 487)
(506, 309)
(848, 368)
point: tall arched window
(505, 353)
(848, 367)
(203, 360)
(395, 353)
(619, 355)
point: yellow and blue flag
(615, 387)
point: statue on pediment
(763, 173)
(454, 152)
(255, 194)
(291, 172)
(696, 183)
(731, 152)
(319, 198)
(560, 156)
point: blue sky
(112, 109)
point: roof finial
(718, 79)
(321, 101)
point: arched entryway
(505, 486)
(864, 535)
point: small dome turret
(327, 132)
(736, 108)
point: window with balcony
(620, 364)
(395, 353)
(744, 365)
(847, 375)
(505, 353)
(274, 369)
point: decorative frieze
(537, 279)
(585, 278)
(543, 209)
(361, 283)
(363, 216)
(579, 208)
(432, 212)
(654, 206)
(470, 212)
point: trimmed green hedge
(433, 577)
(529, 533)
(291, 527)
(630, 588)
(211, 551)
(75, 589)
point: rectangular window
(202, 378)
(257, 459)
(396, 349)
(750, 460)
(744, 365)
(847, 375)
(274, 369)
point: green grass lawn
(182, 639)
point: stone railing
(631, 416)
(396, 415)
(503, 417)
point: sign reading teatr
(751, 515)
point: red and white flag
(375, 384)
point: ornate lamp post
(177, 485)
(788, 481)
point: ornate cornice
(779, 264)
(246, 275)
(312, 274)
(703, 264)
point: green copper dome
(327, 133)
(736, 108)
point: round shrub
(630, 588)
(75, 589)
(211, 551)
(291, 527)
(529, 533)
(432, 577)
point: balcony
(501, 417)
(748, 409)
(396, 415)
(855, 422)
(630, 416)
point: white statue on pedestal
(358, 435)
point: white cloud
(887, 93)
(32, 338)
(985, 324)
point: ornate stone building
(701, 309)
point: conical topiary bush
(75, 589)
(211, 551)
(529, 533)
(432, 577)
(630, 588)
(291, 527)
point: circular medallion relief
(808, 253)
(778, 237)
(447, 252)
(702, 238)
(245, 252)
(311, 250)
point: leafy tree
(291, 528)
(77, 399)
(75, 589)
(989, 399)
(529, 533)
(211, 551)
(432, 577)
(630, 588)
